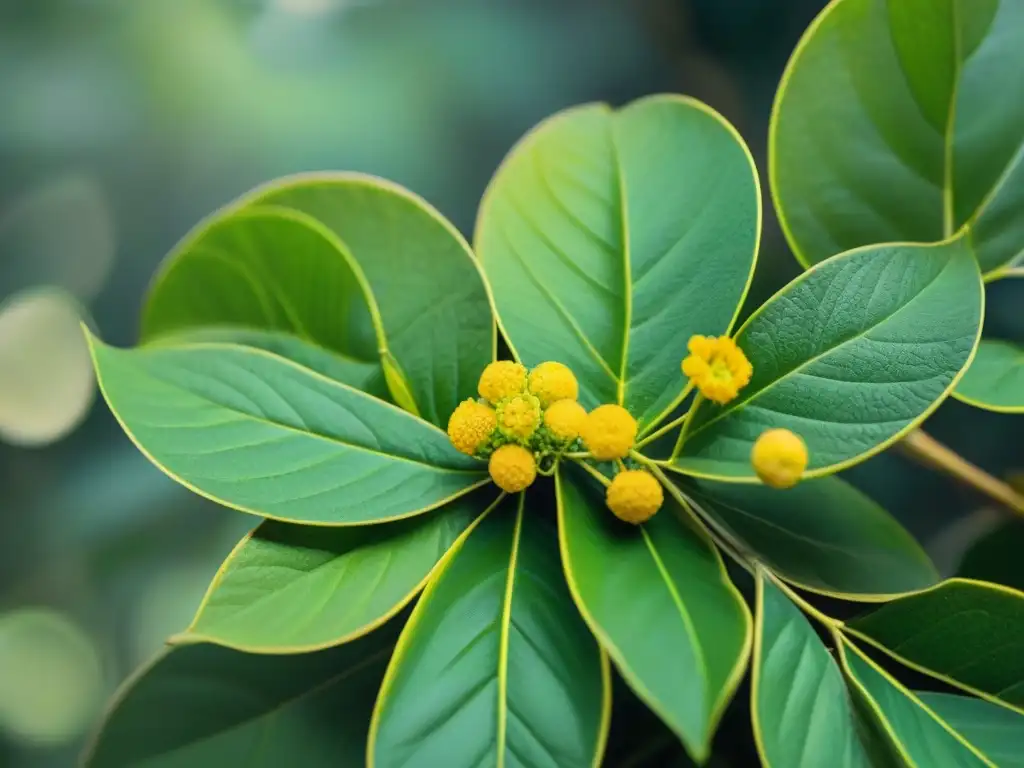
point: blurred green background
(123, 122)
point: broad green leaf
(802, 713)
(995, 379)
(290, 588)
(851, 355)
(495, 666)
(660, 602)
(205, 705)
(823, 535)
(996, 556)
(433, 314)
(916, 732)
(610, 237)
(894, 121)
(967, 633)
(261, 434)
(995, 731)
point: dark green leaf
(495, 665)
(289, 588)
(893, 122)
(997, 732)
(205, 705)
(995, 379)
(610, 237)
(823, 535)
(967, 633)
(851, 355)
(659, 600)
(996, 557)
(264, 435)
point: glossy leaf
(823, 535)
(968, 633)
(995, 731)
(205, 705)
(892, 123)
(660, 602)
(610, 237)
(495, 666)
(288, 588)
(264, 435)
(802, 713)
(995, 380)
(851, 355)
(917, 733)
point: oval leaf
(199, 705)
(891, 124)
(290, 589)
(968, 633)
(495, 666)
(261, 434)
(823, 535)
(851, 355)
(659, 600)
(918, 734)
(997, 732)
(802, 714)
(610, 237)
(995, 379)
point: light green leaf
(967, 633)
(660, 602)
(802, 713)
(916, 732)
(851, 355)
(495, 666)
(610, 237)
(892, 123)
(995, 379)
(997, 732)
(205, 705)
(261, 434)
(290, 589)
(823, 535)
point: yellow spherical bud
(609, 431)
(512, 468)
(717, 367)
(519, 417)
(565, 419)
(471, 425)
(634, 496)
(779, 458)
(501, 380)
(552, 382)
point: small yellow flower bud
(779, 458)
(717, 367)
(501, 380)
(552, 382)
(565, 419)
(519, 417)
(609, 432)
(634, 496)
(512, 468)
(471, 425)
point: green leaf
(967, 633)
(823, 535)
(996, 556)
(495, 665)
(355, 264)
(288, 588)
(660, 602)
(916, 732)
(802, 713)
(892, 123)
(851, 355)
(995, 731)
(995, 379)
(610, 237)
(261, 434)
(205, 705)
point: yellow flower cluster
(717, 367)
(609, 432)
(634, 496)
(779, 458)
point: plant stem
(658, 433)
(594, 473)
(928, 451)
